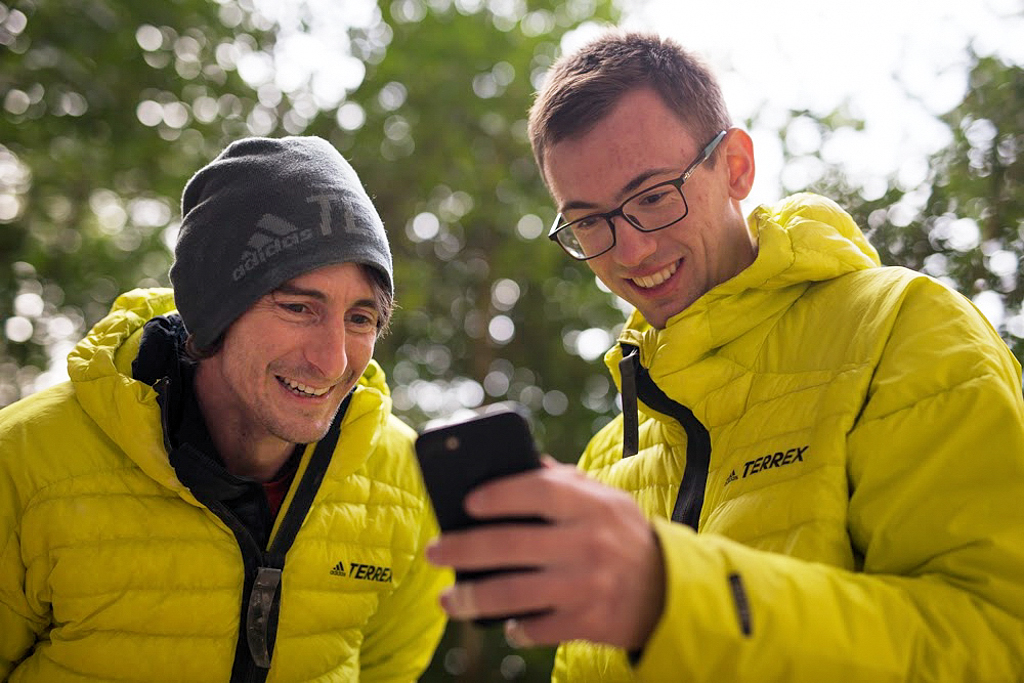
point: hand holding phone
(455, 458)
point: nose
(326, 351)
(632, 246)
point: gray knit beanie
(263, 212)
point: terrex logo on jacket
(365, 572)
(769, 461)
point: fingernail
(457, 601)
(471, 502)
(431, 552)
(515, 635)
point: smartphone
(457, 457)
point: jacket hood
(126, 409)
(803, 239)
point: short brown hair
(382, 297)
(582, 87)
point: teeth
(649, 281)
(302, 388)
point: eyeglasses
(650, 209)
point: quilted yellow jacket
(110, 568)
(841, 447)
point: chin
(298, 437)
(655, 318)
(308, 431)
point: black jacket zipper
(262, 569)
(244, 669)
(690, 498)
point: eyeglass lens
(653, 209)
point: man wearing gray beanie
(262, 213)
(220, 492)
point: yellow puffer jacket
(853, 453)
(110, 569)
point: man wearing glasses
(818, 472)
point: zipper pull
(629, 368)
(257, 622)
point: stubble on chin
(314, 428)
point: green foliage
(110, 106)
(444, 153)
(86, 189)
(965, 224)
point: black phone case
(456, 458)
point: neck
(246, 449)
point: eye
(586, 223)
(653, 198)
(363, 320)
(292, 307)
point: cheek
(602, 269)
(240, 365)
(246, 358)
(360, 351)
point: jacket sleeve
(404, 632)
(936, 514)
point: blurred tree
(107, 108)
(487, 306)
(965, 223)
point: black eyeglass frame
(559, 225)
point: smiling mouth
(300, 389)
(650, 281)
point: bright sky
(895, 63)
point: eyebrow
(627, 189)
(291, 290)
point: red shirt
(277, 488)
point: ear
(738, 154)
